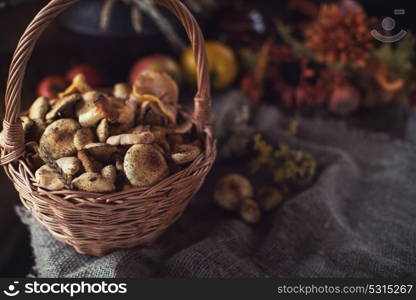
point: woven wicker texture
(93, 223)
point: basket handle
(12, 128)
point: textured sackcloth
(356, 220)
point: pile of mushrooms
(103, 141)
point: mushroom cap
(109, 172)
(39, 108)
(94, 183)
(151, 114)
(127, 115)
(101, 151)
(103, 130)
(250, 211)
(122, 90)
(159, 88)
(69, 165)
(47, 179)
(61, 105)
(231, 190)
(58, 138)
(144, 165)
(83, 137)
(185, 153)
(89, 163)
(269, 198)
(27, 123)
(131, 139)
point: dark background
(60, 48)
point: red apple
(50, 86)
(158, 63)
(91, 74)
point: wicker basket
(93, 223)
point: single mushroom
(83, 137)
(122, 91)
(27, 123)
(46, 178)
(144, 165)
(127, 115)
(69, 165)
(269, 198)
(79, 85)
(109, 172)
(58, 138)
(131, 139)
(151, 114)
(185, 153)
(120, 163)
(159, 88)
(250, 211)
(89, 112)
(94, 183)
(89, 163)
(103, 130)
(231, 190)
(62, 105)
(39, 108)
(101, 151)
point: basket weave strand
(94, 223)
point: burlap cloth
(357, 219)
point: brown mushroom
(27, 123)
(122, 90)
(62, 105)
(131, 139)
(90, 112)
(83, 137)
(103, 130)
(127, 115)
(39, 108)
(151, 114)
(94, 183)
(109, 172)
(159, 88)
(144, 165)
(101, 151)
(88, 162)
(69, 165)
(269, 198)
(46, 178)
(184, 154)
(231, 190)
(250, 211)
(58, 138)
